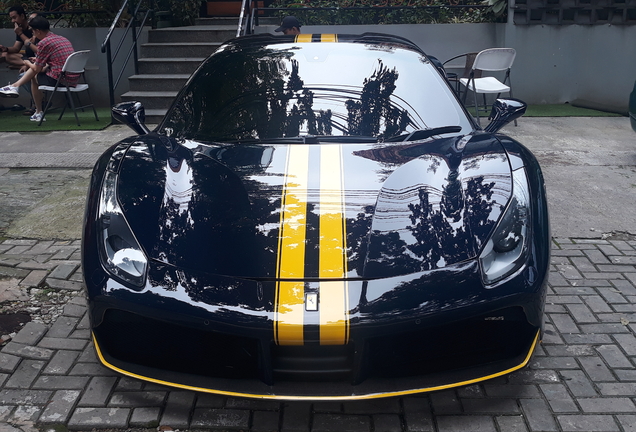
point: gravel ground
(44, 305)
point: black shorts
(44, 79)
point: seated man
(31, 44)
(23, 36)
(53, 50)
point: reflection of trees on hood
(479, 204)
(357, 235)
(439, 241)
(265, 208)
(453, 197)
(441, 230)
(374, 107)
(388, 255)
(203, 207)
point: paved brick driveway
(582, 378)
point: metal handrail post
(136, 28)
(135, 50)
(109, 66)
(112, 26)
(239, 30)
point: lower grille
(152, 343)
(424, 352)
(313, 363)
(499, 336)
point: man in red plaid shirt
(53, 50)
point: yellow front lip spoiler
(352, 397)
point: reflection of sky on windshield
(419, 89)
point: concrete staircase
(170, 57)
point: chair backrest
(470, 61)
(495, 59)
(76, 62)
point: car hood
(314, 211)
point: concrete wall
(96, 69)
(591, 66)
(440, 40)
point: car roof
(379, 39)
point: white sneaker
(37, 117)
(10, 91)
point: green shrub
(184, 12)
(401, 11)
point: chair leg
(47, 106)
(50, 99)
(66, 96)
(70, 99)
(92, 105)
(510, 93)
(90, 100)
(78, 102)
(476, 107)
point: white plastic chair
(75, 64)
(489, 60)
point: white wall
(592, 66)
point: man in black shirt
(23, 36)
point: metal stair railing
(244, 18)
(135, 28)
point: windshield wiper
(278, 140)
(307, 139)
(346, 139)
(421, 134)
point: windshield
(363, 91)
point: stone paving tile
(581, 378)
(145, 417)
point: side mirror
(133, 115)
(503, 112)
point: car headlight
(120, 252)
(506, 250)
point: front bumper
(407, 335)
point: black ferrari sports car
(316, 217)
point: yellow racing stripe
(289, 303)
(334, 320)
(333, 298)
(303, 38)
(332, 249)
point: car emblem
(311, 301)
